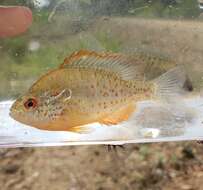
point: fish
(92, 87)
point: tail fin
(171, 84)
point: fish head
(40, 110)
(25, 109)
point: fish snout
(15, 110)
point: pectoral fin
(172, 83)
(118, 116)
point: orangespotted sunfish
(92, 87)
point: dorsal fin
(123, 65)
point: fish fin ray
(83, 129)
(123, 65)
(171, 84)
(119, 116)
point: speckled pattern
(95, 94)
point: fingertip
(27, 15)
(14, 20)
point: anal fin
(83, 129)
(118, 116)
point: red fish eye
(30, 103)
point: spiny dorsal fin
(124, 66)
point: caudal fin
(171, 84)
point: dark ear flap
(64, 95)
(67, 93)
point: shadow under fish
(168, 120)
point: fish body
(90, 87)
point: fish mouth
(13, 114)
(18, 117)
(12, 110)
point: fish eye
(30, 103)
